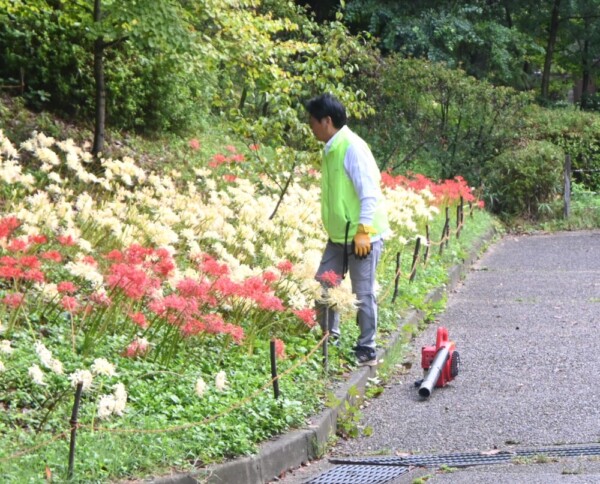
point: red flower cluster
(26, 268)
(8, 225)
(307, 316)
(447, 191)
(330, 278)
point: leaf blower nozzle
(441, 363)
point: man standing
(354, 216)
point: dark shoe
(365, 356)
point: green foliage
(577, 133)
(522, 179)
(439, 121)
(460, 34)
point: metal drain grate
(471, 458)
(356, 474)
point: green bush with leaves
(439, 121)
(576, 132)
(521, 179)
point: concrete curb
(295, 448)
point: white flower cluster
(47, 359)
(82, 376)
(114, 403)
(6, 349)
(101, 366)
(221, 384)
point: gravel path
(525, 321)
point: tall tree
(550, 45)
(154, 25)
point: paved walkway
(526, 321)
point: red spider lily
(115, 256)
(447, 191)
(52, 255)
(138, 347)
(213, 268)
(139, 319)
(226, 286)
(330, 278)
(254, 147)
(137, 254)
(201, 290)
(192, 327)
(89, 260)
(14, 300)
(17, 245)
(8, 260)
(231, 148)
(174, 307)
(37, 239)
(66, 240)
(165, 265)
(285, 267)
(10, 272)
(255, 289)
(229, 178)
(34, 275)
(66, 287)
(213, 324)
(8, 225)
(480, 203)
(269, 277)
(279, 348)
(25, 267)
(100, 298)
(29, 261)
(194, 144)
(269, 303)
(307, 316)
(218, 160)
(134, 282)
(239, 158)
(70, 304)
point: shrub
(521, 179)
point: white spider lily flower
(101, 366)
(37, 375)
(221, 381)
(200, 387)
(82, 376)
(5, 347)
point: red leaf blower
(440, 363)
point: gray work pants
(362, 277)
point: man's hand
(362, 241)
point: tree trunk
(554, 21)
(100, 119)
(585, 73)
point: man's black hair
(327, 105)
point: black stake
(444, 234)
(426, 254)
(397, 277)
(413, 269)
(447, 226)
(73, 423)
(274, 370)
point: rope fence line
(447, 233)
(174, 428)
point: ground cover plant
(161, 294)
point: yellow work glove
(362, 241)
